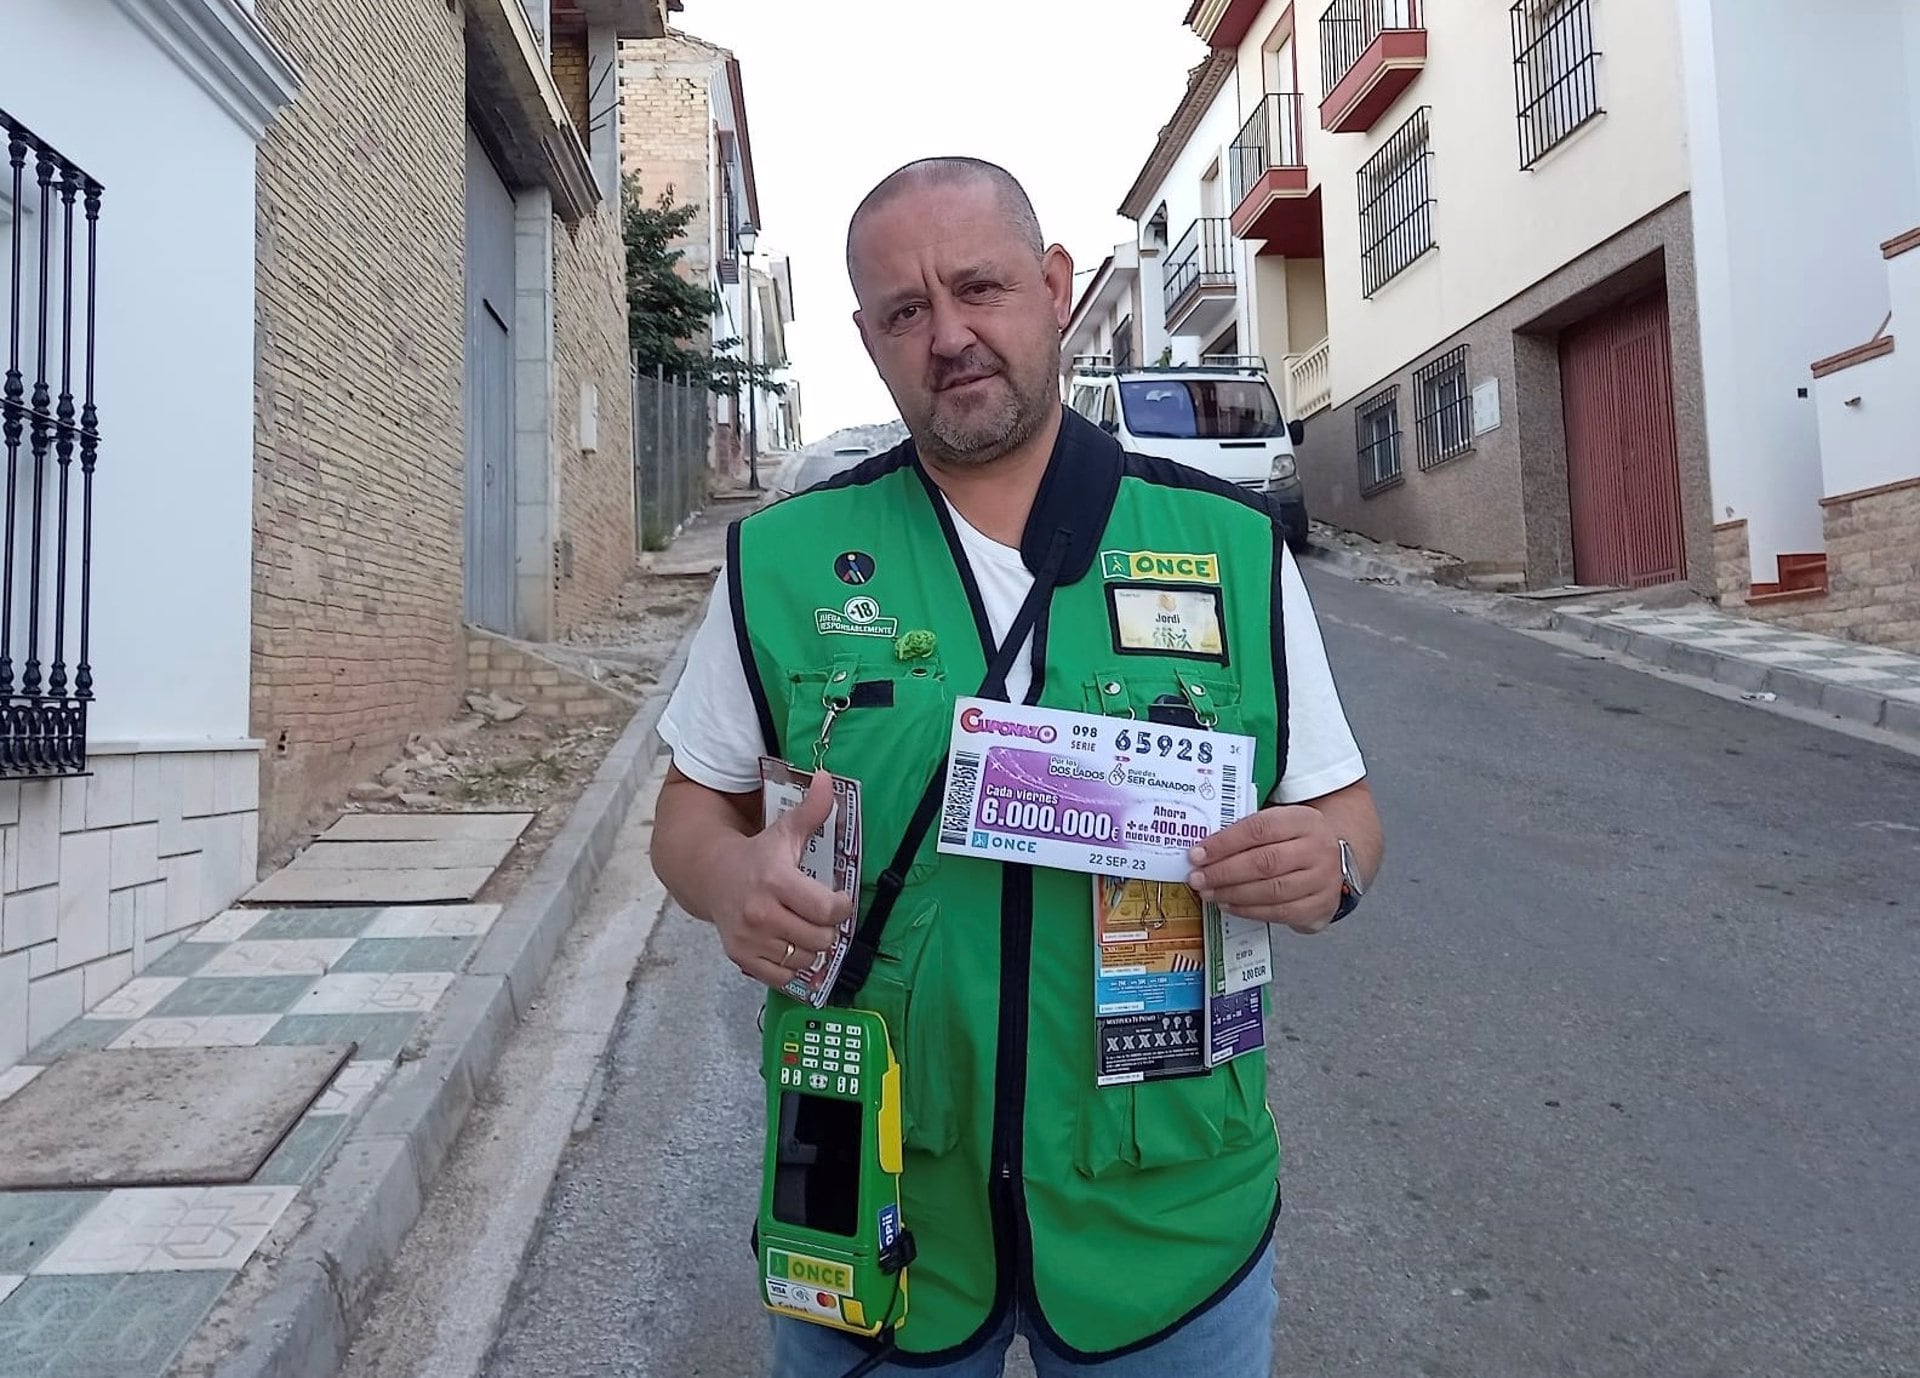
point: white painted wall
(1498, 229)
(1804, 160)
(1181, 190)
(1868, 416)
(173, 515)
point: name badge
(1157, 620)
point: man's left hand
(1280, 865)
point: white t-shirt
(714, 734)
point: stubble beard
(980, 436)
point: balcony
(1200, 284)
(1274, 198)
(1309, 381)
(1370, 51)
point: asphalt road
(1614, 1074)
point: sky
(1067, 94)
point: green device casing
(831, 1243)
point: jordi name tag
(1184, 621)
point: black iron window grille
(1348, 29)
(1123, 345)
(1270, 138)
(49, 218)
(1377, 426)
(1555, 73)
(1444, 425)
(1396, 204)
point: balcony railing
(1203, 258)
(1270, 138)
(1309, 381)
(1348, 29)
(46, 578)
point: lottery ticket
(1082, 792)
(831, 856)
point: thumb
(805, 818)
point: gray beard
(982, 442)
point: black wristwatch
(1351, 887)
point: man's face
(961, 319)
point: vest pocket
(917, 1026)
(1156, 1124)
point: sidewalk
(270, 1275)
(1851, 680)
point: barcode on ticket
(1229, 793)
(963, 781)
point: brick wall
(666, 130)
(568, 63)
(1873, 571)
(1732, 571)
(519, 672)
(590, 345)
(358, 461)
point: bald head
(930, 173)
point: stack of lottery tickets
(831, 856)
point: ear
(1056, 268)
(860, 324)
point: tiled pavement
(111, 1284)
(1779, 657)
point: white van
(1218, 416)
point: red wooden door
(1623, 464)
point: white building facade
(128, 201)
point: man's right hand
(774, 919)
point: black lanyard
(865, 946)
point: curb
(1358, 566)
(362, 1206)
(1848, 701)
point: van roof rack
(1102, 364)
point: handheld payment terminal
(832, 1248)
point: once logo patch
(1161, 566)
(854, 567)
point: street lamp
(749, 237)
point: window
(1445, 426)
(49, 428)
(1555, 78)
(1123, 345)
(1378, 427)
(1396, 205)
(1201, 409)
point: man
(1125, 1230)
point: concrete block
(149, 920)
(9, 802)
(221, 862)
(53, 1002)
(1694, 660)
(363, 1206)
(178, 835)
(1854, 703)
(102, 978)
(134, 855)
(13, 1008)
(41, 960)
(1749, 676)
(120, 905)
(427, 1101)
(1803, 691)
(185, 905)
(147, 778)
(243, 782)
(73, 804)
(31, 917)
(37, 860)
(1902, 717)
(1654, 650)
(196, 784)
(110, 793)
(83, 897)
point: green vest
(1113, 1214)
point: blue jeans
(1232, 1339)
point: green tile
(183, 959)
(234, 995)
(379, 1035)
(103, 1325)
(79, 1036)
(406, 954)
(302, 1151)
(312, 923)
(32, 1222)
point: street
(1612, 1074)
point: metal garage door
(1623, 465)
